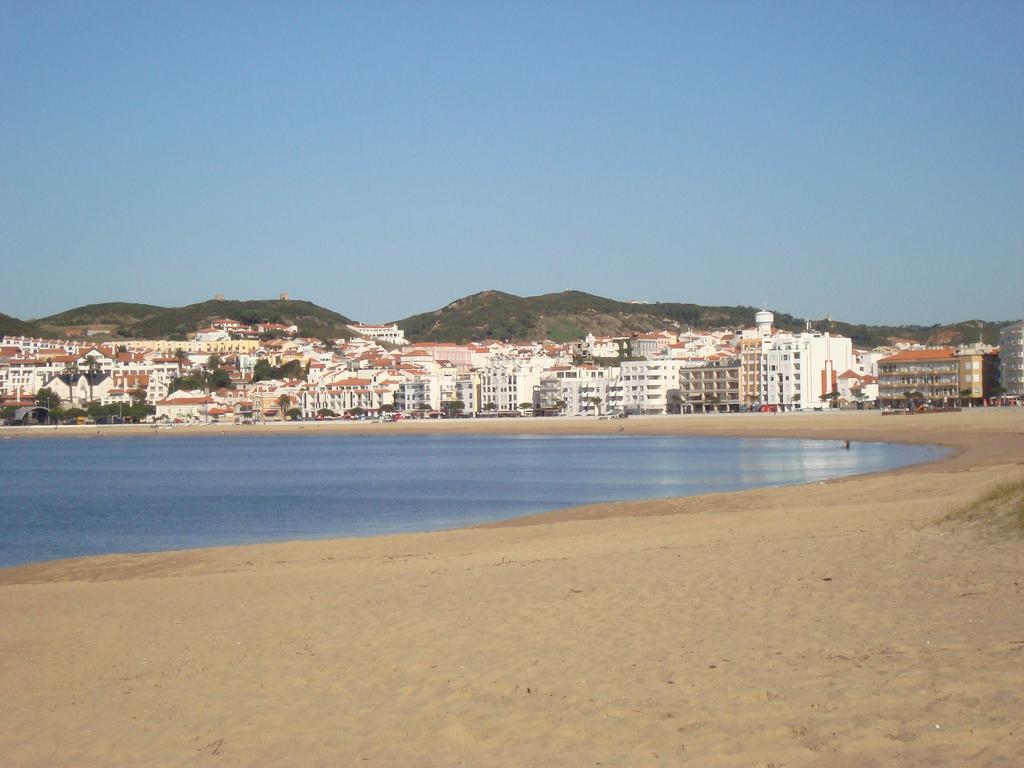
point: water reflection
(73, 497)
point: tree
(293, 369)
(47, 398)
(491, 406)
(216, 379)
(294, 414)
(92, 370)
(95, 410)
(283, 402)
(213, 362)
(387, 408)
(182, 357)
(7, 413)
(560, 405)
(75, 413)
(596, 402)
(326, 413)
(913, 398)
(357, 411)
(262, 371)
(451, 406)
(965, 395)
(193, 381)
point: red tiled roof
(943, 353)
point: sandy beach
(845, 623)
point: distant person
(846, 445)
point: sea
(89, 496)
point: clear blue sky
(862, 159)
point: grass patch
(1002, 505)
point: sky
(859, 160)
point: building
(390, 334)
(643, 387)
(926, 375)
(572, 390)
(711, 387)
(185, 406)
(80, 388)
(978, 372)
(506, 383)
(1011, 359)
(800, 371)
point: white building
(644, 386)
(211, 334)
(390, 334)
(186, 406)
(570, 390)
(797, 369)
(508, 382)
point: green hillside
(562, 316)
(965, 332)
(570, 315)
(12, 326)
(311, 319)
(112, 313)
(565, 316)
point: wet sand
(833, 624)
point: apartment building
(508, 382)
(798, 371)
(1011, 359)
(711, 387)
(644, 386)
(571, 389)
(934, 373)
(978, 371)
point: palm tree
(912, 398)
(92, 369)
(182, 357)
(283, 402)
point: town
(237, 373)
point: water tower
(764, 320)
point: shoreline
(840, 623)
(644, 426)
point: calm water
(63, 498)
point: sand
(834, 624)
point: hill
(565, 316)
(175, 322)
(562, 316)
(571, 315)
(112, 313)
(12, 326)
